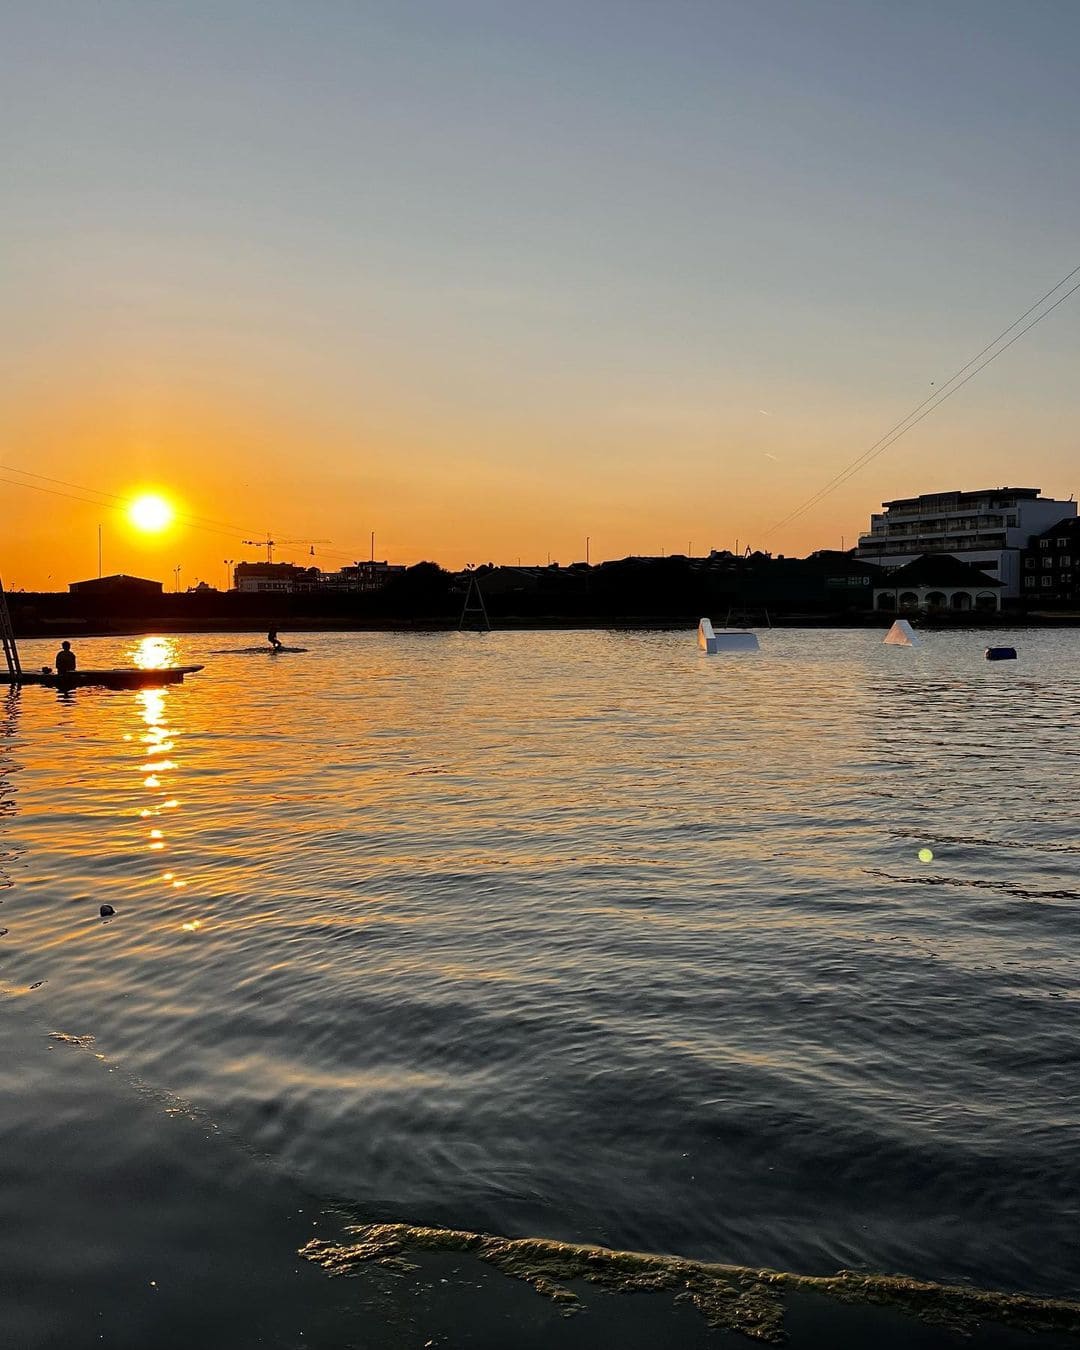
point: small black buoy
(106, 911)
(1001, 653)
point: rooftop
(977, 494)
(117, 581)
(1068, 525)
(937, 569)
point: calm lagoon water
(580, 934)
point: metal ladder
(7, 641)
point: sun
(150, 513)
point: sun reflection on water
(153, 653)
(157, 738)
(153, 706)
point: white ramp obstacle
(901, 634)
(712, 640)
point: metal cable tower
(474, 608)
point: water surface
(586, 934)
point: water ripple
(586, 935)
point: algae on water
(737, 1298)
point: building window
(1065, 560)
(1048, 581)
(1030, 581)
(1044, 543)
(1048, 562)
(1029, 562)
(1063, 543)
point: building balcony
(928, 528)
(876, 547)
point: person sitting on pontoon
(274, 640)
(65, 659)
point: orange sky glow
(493, 290)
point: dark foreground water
(575, 935)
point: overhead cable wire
(853, 469)
(111, 501)
(55, 492)
(114, 499)
(934, 400)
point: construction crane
(271, 544)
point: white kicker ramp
(901, 634)
(725, 640)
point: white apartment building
(987, 528)
(266, 578)
(288, 578)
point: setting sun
(150, 513)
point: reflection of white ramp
(901, 634)
(725, 640)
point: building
(274, 578)
(117, 587)
(937, 583)
(288, 578)
(361, 576)
(988, 528)
(1051, 566)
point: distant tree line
(662, 589)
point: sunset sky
(488, 278)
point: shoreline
(143, 626)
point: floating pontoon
(118, 677)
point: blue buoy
(1001, 653)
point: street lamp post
(228, 563)
(176, 574)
